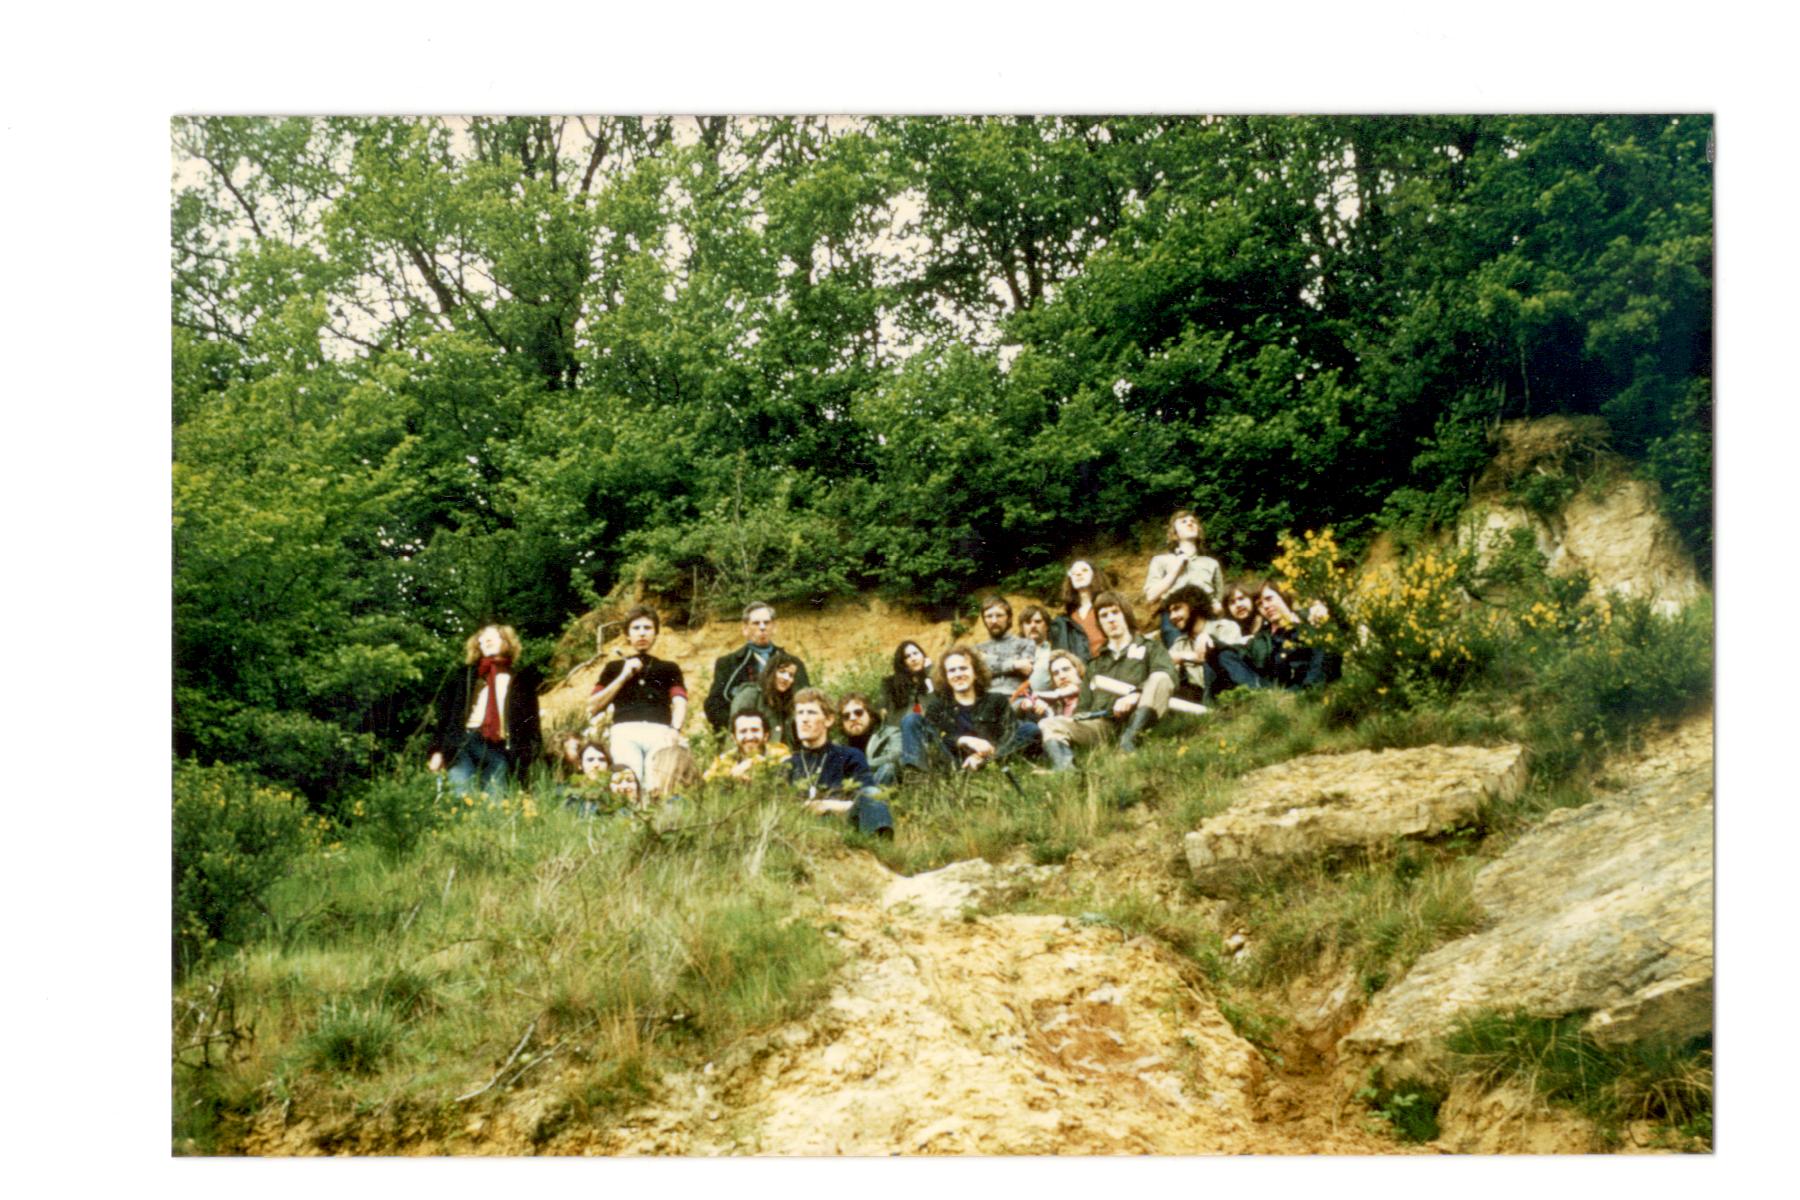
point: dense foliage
(426, 371)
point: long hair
(509, 637)
(982, 677)
(774, 700)
(1200, 605)
(1199, 532)
(1111, 599)
(1237, 588)
(901, 688)
(1033, 610)
(1071, 599)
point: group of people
(1084, 677)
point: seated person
(864, 730)
(1280, 652)
(1189, 612)
(1034, 627)
(1230, 636)
(1063, 697)
(905, 688)
(625, 790)
(1078, 628)
(773, 697)
(964, 723)
(586, 791)
(832, 777)
(1009, 658)
(751, 755)
(647, 695)
(1129, 683)
(743, 667)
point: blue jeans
(480, 762)
(870, 813)
(922, 746)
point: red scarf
(490, 669)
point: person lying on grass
(1063, 697)
(831, 777)
(751, 754)
(1131, 669)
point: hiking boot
(1142, 718)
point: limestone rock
(1605, 909)
(1310, 806)
(949, 891)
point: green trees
(427, 371)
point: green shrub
(352, 1038)
(1410, 1106)
(1660, 1079)
(393, 814)
(233, 838)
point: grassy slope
(396, 978)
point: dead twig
(510, 1059)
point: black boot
(1142, 718)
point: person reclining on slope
(831, 777)
(964, 724)
(743, 667)
(1129, 683)
(1009, 657)
(751, 755)
(864, 730)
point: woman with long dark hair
(904, 690)
(773, 697)
(1078, 629)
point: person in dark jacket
(743, 667)
(486, 730)
(773, 697)
(832, 777)
(906, 689)
(964, 723)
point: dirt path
(952, 1033)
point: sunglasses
(856, 712)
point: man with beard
(1009, 659)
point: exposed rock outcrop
(1604, 909)
(1312, 806)
(1611, 529)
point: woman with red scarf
(487, 714)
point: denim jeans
(480, 762)
(870, 813)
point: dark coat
(992, 717)
(456, 695)
(732, 671)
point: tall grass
(504, 949)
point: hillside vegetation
(428, 371)
(431, 976)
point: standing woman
(648, 697)
(773, 698)
(1078, 629)
(487, 714)
(907, 687)
(1184, 565)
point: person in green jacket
(1126, 691)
